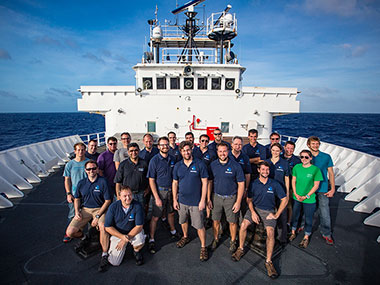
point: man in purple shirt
(106, 164)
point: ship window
(174, 83)
(202, 83)
(216, 83)
(230, 84)
(225, 127)
(147, 83)
(161, 83)
(151, 127)
(188, 83)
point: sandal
(292, 237)
(182, 242)
(304, 243)
(204, 254)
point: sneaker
(81, 245)
(182, 242)
(66, 238)
(138, 257)
(152, 247)
(328, 240)
(233, 246)
(238, 254)
(176, 236)
(103, 263)
(272, 273)
(292, 237)
(214, 244)
(304, 243)
(204, 254)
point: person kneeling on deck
(94, 193)
(124, 222)
(190, 184)
(262, 191)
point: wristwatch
(97, 216)
(307, 197)
(69, 193)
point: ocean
(356, 131)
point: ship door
(151, 127)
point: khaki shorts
(87, 215)
(166, 197)
(196, 216)
(263, 217)
(224, 204)
(115, 257)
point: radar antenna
(190, 29)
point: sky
(328, 49)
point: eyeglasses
(93, 168)
(112, 143)
(218, 134)
(306, 157)
(128, 139)
(204, 140)
(133, 150)
(164, 145)
(275, 139)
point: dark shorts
(224, 204)
(193, 212)
(166, 197)
(263, 217)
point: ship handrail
(100, 138)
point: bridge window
(188, 83)
(230, 84)
(202, 83)
(216, 83)
(147, 83)
(174, 83)
(161, 82)
(225, 127)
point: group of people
(205, 184)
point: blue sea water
(356, 131)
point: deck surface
(32, 251)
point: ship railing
(219, 21)
(99, 137)
(175, 31)
(174, 55)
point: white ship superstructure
(189, 80)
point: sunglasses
(93, 168)
(306, 157)
(133, 150)
(204, 140)
(275, 139)
(112, 143)
(218, 134)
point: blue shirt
(147, 156)
(243, 160)
(161, 169)
(207, 156)
(175, 152)
(253, 152)
(323, 161)
(226, 176)
(75, 170)
(263, 195)
(190, 183)
(93, 194)
(293, 161)
(279, 170)
(124, 222)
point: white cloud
(354, 51)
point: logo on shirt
(140, 169)
(207, 157)
(309, 175)
(270, 190)
(97, 188)
(280, 168)
(241, 161)
(193, 169)
(172, 163)
(257, 151)
(131, 217)
(228, 170)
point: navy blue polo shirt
(124, 222)
(279, 170)
(175, 152)
(226, 176)
(161, 169)
(253, 152)
(212, 146)
(207, 156)
(293, 161)
(94, 193)
(189, 178)
(263, 195)
(243, 160)
(132, 175)
(147, 156)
